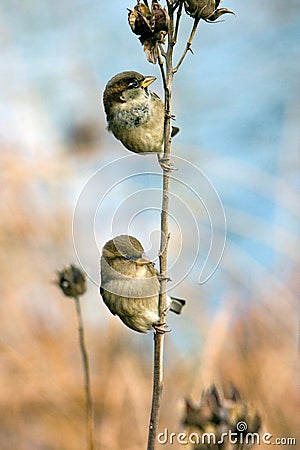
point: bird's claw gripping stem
(161, 328)
(163, 278)
(166, 164)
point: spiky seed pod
(139, 20)
(207, 10)
(217, 414)
(72, 281)
(151, 26)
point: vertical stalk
(164, 240)
(86, 372)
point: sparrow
(130, 285)
(135, 115)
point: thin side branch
(162, 69)
(87, 383)
(188, 45)
(178, 17)
(162, 51)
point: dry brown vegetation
(41, 393)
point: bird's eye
(129, 257)
(133, 84)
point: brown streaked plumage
(130, 286)
(135, 115)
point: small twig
(162, 69)
(86, 371)
(162, 51)
(178, 17)
(188, 45)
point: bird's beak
(147, 81)
(142, 261)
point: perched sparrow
(134, 114)
(130, 285)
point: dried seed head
(218, 414)
(207, 10)
(72, 281)
(243, 413)
(139, 20)
(159, 18)
(151, 27)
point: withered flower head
(151, 25)
(207, 10)
(218, 414)
(72, 281)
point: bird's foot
(166, 164)
(170, 116)
(161, 328)
(163, 278)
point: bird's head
(126, 248)
(124, 87)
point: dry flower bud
(139, 20)
(152, 27)
(160, 18)
(207, 10)
(72, 281)
(217, 414)
(244, 412)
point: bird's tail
(177, 304)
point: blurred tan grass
(42, 403)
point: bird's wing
(103, 292)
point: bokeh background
(237, 103)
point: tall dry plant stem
(165, 62)
(87, 382)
